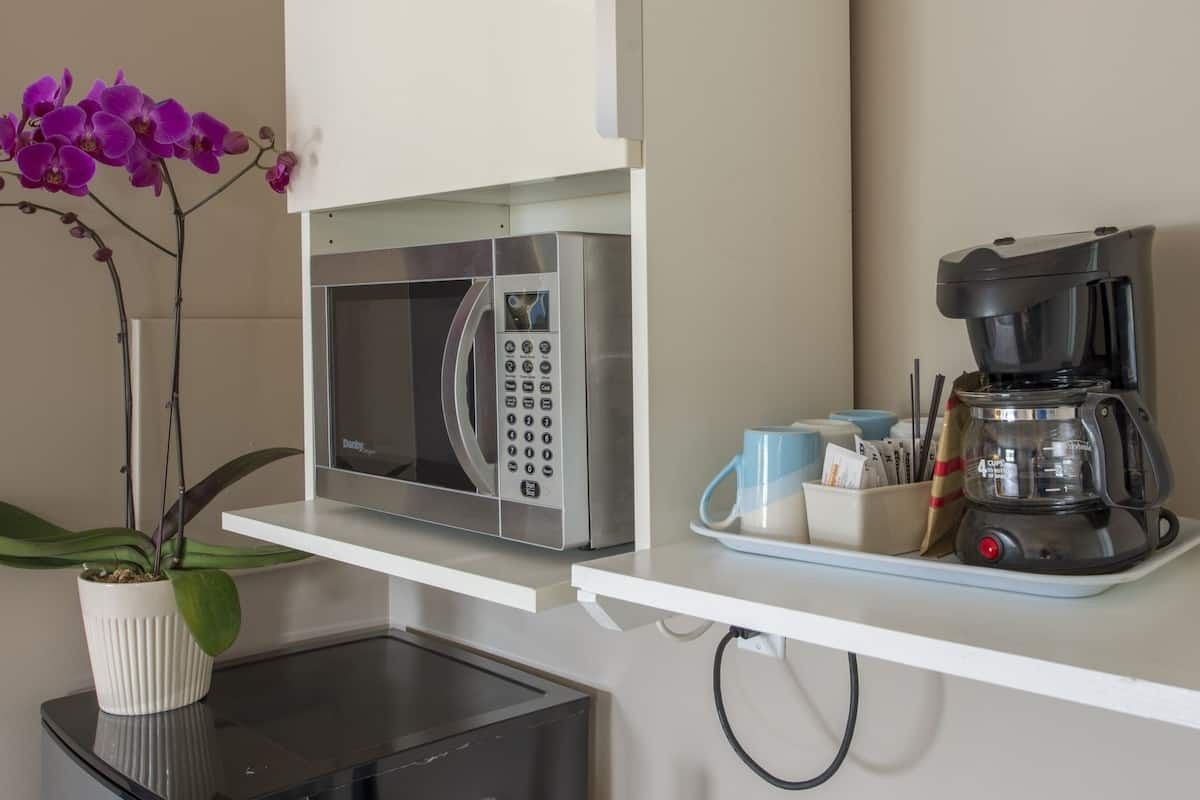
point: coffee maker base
(1085, 541)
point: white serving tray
(949, 570)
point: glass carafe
(1062, 447)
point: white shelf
(1133, 649)
(509, 573)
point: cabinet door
(402, 98)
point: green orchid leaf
(17, 523)
(39, 563)
(201, 555)
(68, 544)
(208, 601)
(197, 498)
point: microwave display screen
(527, 311)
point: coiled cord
(847, 737)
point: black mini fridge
(377, 717)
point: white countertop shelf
(509, 573)
(1133, 649)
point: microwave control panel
(528, 370)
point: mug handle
(734, 465)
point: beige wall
(975, 120)
(60, 396)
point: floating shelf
(1133, 649)
(509, 573)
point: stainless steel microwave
(483, 385)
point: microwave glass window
(527, 311)
(385, 350)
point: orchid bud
(78, 232)
(68, 218)
(236, 143)
(266, 134)
(26, 208)
(103, 254)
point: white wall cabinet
(399, 98)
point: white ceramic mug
(833, 431)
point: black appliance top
(306, 721)
(1010, 275)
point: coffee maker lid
(1010, 275)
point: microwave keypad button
(511, 434)
(529, 470)
(529, 452)
(510, 347)
(510, 402)
(512, 449)
(544, 346)
(544, 367)
(527, 402)
(548, 471)
(546, 387)
(529, 420)
(512, 466)
(547, 454)
(510, 366)
(547, 438)
(512, 419)
(526, 346)
(527, 387)
(510, 384)
(547, 404)
(529, 437)
(530, 488)
(527, 366)
(546, 422)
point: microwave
(482, 385)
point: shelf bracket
(619, 615)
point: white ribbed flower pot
(144, 659)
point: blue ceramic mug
(771, 471)
(876, 425)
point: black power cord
(779, 783)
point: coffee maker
(1064, 470)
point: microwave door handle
(455, 363)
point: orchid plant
(57, 147)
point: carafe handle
(1097, 417)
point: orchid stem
(129, 227)
(123, 340)
(234, 179)
(176, 413)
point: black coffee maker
(1064, 470)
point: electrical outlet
(765, 644)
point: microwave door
(385, 351)
(464, 381)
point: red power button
(989, 548)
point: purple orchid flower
(143, 169)
(158, 125)
(99, 86)
(205, 144)
(56, 165)
(8, 135)
(103, 136)
(45, 94)
(279, 176)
